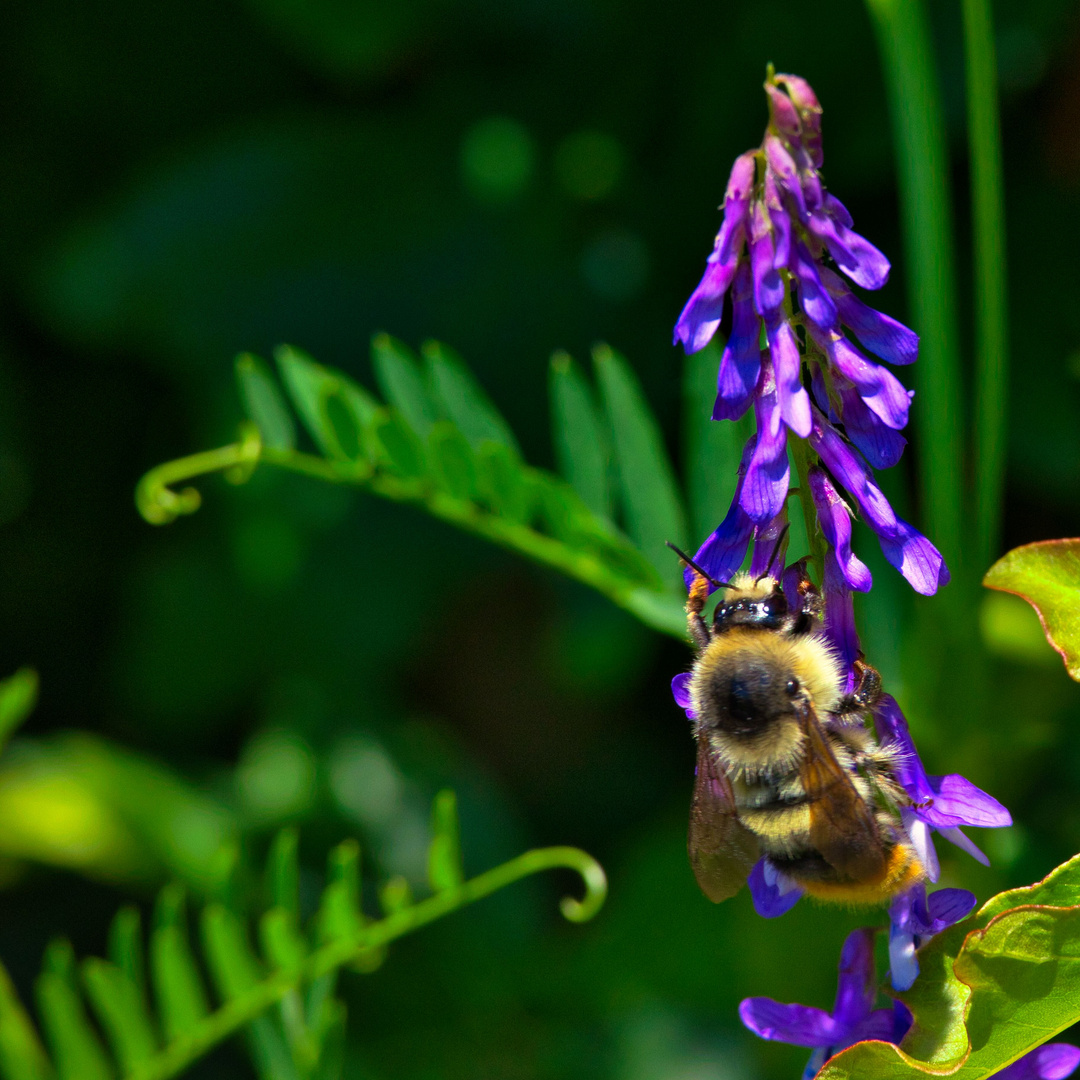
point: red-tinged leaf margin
(939, 1046)
(1047, 575)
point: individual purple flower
(853, 1018)
(1052, 1061)
(740, 365)
(939, 803)
(765, 487)
(835, 521)
(915, 917)
(773, 893)
(680, 690)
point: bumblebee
(786, 766)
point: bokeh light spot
(276, 775)
(497, 159)
(589, 164)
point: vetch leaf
(232, 963)
(444, 854)
(501, 483)
(74, 1046)
(461, 399)
(281, 942)
(283, 872)
(264, 404)
(650, 498)
(126, 947)
(398, 445)
(395, 895)
(582, 446)
(402, 384)
(452, 459)
(1047, 575)
(181, 999)
(120, 1009)
(22, 1057)
(18, 696)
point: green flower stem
(243, 1009)
(159, 505)
(991, 313)
(800, 453)
(922, 165)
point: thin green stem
(991, 314)
(800, 453)
(243, 1009)
(159, 504)
(923, 170)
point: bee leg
(865, 696)
(811, 603)
(695, 604)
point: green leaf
(22, 1057)
(232, 964)
(339, 909)
(337, 413)
(401, 383)
(452, 458)
(444, 854)
(74, 1045)
(582, 446)
(281, 942)
(461, 399)
(181, 999)
(121, 1011)
(18, 696)
(264, 404)
(283, 872)
(126, 947)
(398, 445)
(395, 895)
(712, 447)
(501, 483)
(1047, 575)
(650, 498)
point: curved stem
(991, 309)
(243, 1009)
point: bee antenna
(775, 552)
(697, 569)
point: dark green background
(182, 181)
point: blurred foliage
(182, 183)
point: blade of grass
(923, 171)
(991, 313)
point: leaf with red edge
(1047, 575)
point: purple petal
(809, 110)
(880, 445)
(680, 689)
(857, 986)
(783, 113)
(723, 552)
(780, 221)
(736, 203)
(765, 487)
(813, 297)
(799, 1025)
(892, 729)
(769, 289)
(773, 893)
(1054, 1061)
(948, 906)
(956, 836)
(921, 840)
(839, 627)
(903, 966)
(882, 335)
(849, 470)
(913, 555)
(787, 364)
(836, 525)
(854, 254)
(764, 561)
(741, 363)
(787, 174)
(880, 1025)
(957, 801)
(879, 388)
(700, 318)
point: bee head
(749, 694)
(752, 602)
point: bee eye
(792, 687)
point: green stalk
(923, 171)
(991, 315)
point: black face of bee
(748, 695)
(767, 612)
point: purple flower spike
(853, 1019)
(883, 336)
(836, 525)
(916, 558)
(914, 917)
(769, 289)
(773, 893)
(765, 487)
(1054, 1061)
(741, 363)
(680, 690)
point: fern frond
(281, 995)
(438, 442)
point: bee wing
(842, 824)
(722, 849)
